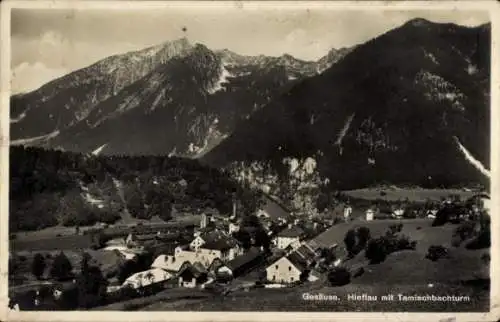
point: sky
(49, 43)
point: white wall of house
(187, 284)
(283, 242)
(283, 271)
(486, 204)
(262, 214)
(197, 243)
(347, 212)
(233, 228)
(370, 214)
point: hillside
(176, 98)
(408, 107)
(49, 188)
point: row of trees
(46, 187)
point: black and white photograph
(237, 157)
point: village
(273, 248)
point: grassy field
(414, 194)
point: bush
(339, 276)
(364, 236)
(483, 240)
(465, 231)
(376, 251)
(38, 266)
(350, 242)
(61, 268)
(360, 271)
(435, 252)
(394, 229)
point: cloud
(27, 76)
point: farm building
(147, 278)
(169, 263)
(285, 270)
(288, 236)
(241, 264)
(272, 210)
(192, 275)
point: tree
(91, 284)
(61, 268)
(244, 238)
(38, 266)
(376, 251)
(350, 242)
(363, 236)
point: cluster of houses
(214, 254)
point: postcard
(249, 160)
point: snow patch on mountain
(19, 118)
(35, 139)
(223, 78)
(99, 149)
(471, 159)
(430, 56)
(439, 89)
(344, 129)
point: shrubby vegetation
(46, 188)
(355, 240)
(435, 252)
(38, 266)
(377, 249)
(339, 276)
(61, 269)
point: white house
(146, 278)
(225, 249)
(233, 227)
(347, 212)
(169, 263)
(370, 214)
(285, 270)
(398, 212)
(288, 236)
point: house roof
(165, 249)
(298, 261)
(168, 263)
(218, 241)
(145, 237)
(314, 245)
(306, 252)
(148, 277)
(196, 269)
(244, 259)
(293, 231)
(275, 209)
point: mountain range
(410, 106)
(187, 97)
